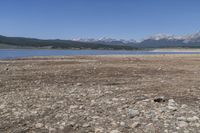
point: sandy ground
(100, 94)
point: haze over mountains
(156, 41)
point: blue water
(17, 53)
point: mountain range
(152, 42)
(156, 41)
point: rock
(123, 124)
(92, 102)
(140, 98)
(133, 113)
(166, 131)
(78, 84)
(98, 130)
(162, 109)
(184, 106)
(181, 118)
(172, 105)
(2, 106)
(73, 107)
(197, 125)
(52, 130)
(160, 99)
(115, 131)
(39, 125)
(182, 124)
(186, 131)
(115, 99)
(114, 124)
(172, 108)
(135, 125)
(171, 102)
(150, 128)
(86, 125)
(191, 119)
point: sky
(119, 19)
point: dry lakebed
(101, 94)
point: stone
(78, 84)
(171, 102)
(172, 105)
(184, 106)
(172, 108)
(197, 125)
(181, 118)
(115, 131)
(115, 99)
(114, 124)
(150, 128)
(133, 113)
(186, 131)
(2, 106)
(123, 124)
(191, 119)
(73, 107)
(182, 124)
(98, 130)
(166, 131)
(86, 125)
(135, 125)
(160, 99)
(39, 125)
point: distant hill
(153, 42)
(20, 42)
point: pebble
(150, 128)
(123, 124)
(115, 99)
(39, 125)
(135, 125)
(98, 130)
(191, 119)
(133, 113)
(73, 107)
(86, 125)
(184, 106)
(171, 102)
(115, 131)
(182, 124)
(79, 84)
(182, 118)
(160, 99)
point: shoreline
(176, 50)
(29, 53)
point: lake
(17, 53)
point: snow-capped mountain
(186, 38)
(105, 40)
(155, 41)
(192, 38)
(164, 41)
(164, 36)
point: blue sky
(120, 19)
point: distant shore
(177, 50)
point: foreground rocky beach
(101, 94)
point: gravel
(108, 94)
